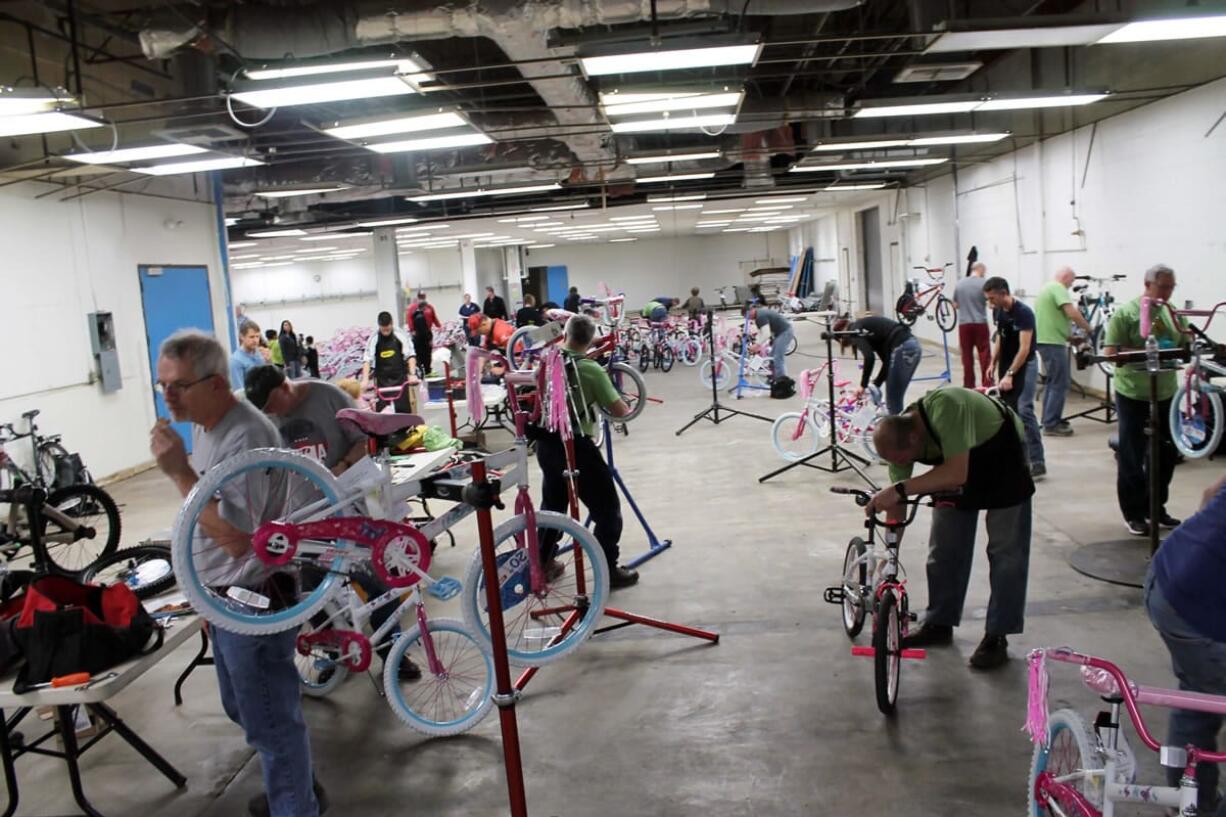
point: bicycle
(656, 350)
(1078, 771)
(916, 300)
(885, 597)
(145, 569)
(799, 434)
(1196, 417)
(1096, 307)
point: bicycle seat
(840, 384)
(379, 425)
(31, 414)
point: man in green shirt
(589, 386)
(1132, 403)
(1056, 312)
(974, 444)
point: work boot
(258, 806)
(1059, 431)
(929, 635)
(991, 653)
(622, 577)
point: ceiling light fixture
(538, 246)
(1010, 38)
(500, 191)
(686, 197)
(458, 140)
(388, 222)
(647, 217)
(1031, 102)
(319, 92)
(882, 165)
(1003, 103)
(918, 141)
(198, 166)
(732, 210)
(274, 233)
(674, 157)
(583, 205)
(683, 177)
(402, 124)
(134, 154)
(1172, 28)
(835, 188)
(234, 245)
(713, 120)
(781, 200)
(19, 102)
(673, 60)
(305, 191)
(400, 64)
(679, 102)
(669, 207)
(621, 240)
(50, 122)
(522, 219)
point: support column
(512, 267)
(468, 271)
(388, 289)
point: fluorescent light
(673, 157)
(462, 194)
(457, 140)
(736, 230)
(1010, 38)
(686, 197)
(402, 124)
(670, 60)
(278, 264)
(234, 245)
(633, 218)
(522, 219)
(425, 228)
(305, 191)
(733, 210)
(538, 246)
(621, 240)
(501, 191)
(1175, 28)
(781, 200)
(275, 233)
(642, 229)
(51, 122)
(583, 205)
(959, 139)
(333, 236)
(198, 166)
(530, 188)
(1025, 103)
(711, 120)
(102, 157)
(472, 235)
(681, 102)
(769, 208)
(388, 222)
(402, 66)
(316, 93)
(869, 186)
(882, 165)
(919, 108)
(684, 177)
(678, 207)
(713, 224)
(15, 102)
(315, 249)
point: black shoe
(991, 653)
(1137, 527)
(622, 577)
(258, 806)
(1168, 521)
(929, 635)
(408, 671)
(1038, 471)
(553, 570)
(1059, 431)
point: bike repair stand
(947, 375)
(713, 412)
(657, 546)
(1106, 405)
(483, 495)
(840, 458)
(741, 382)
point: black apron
(998, 475)
(390, 363)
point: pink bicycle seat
(379, 425)
(839, 384)
(1103, 682)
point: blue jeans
(1055, 363)
(904, 360)
(259, 691)
(1021, 399)
(779, 351)
(951, 551)
(1200, 665)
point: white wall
(64, 260)
(662, 266)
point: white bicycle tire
(784, 426)
(1188, 447)
(625, 370)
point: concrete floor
(777, 719)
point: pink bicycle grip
(1146, 318)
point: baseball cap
(260, 383)
(474, 322)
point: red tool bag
(66, 627)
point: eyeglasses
(178, 387)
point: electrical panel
(106, 356)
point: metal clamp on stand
(484, 495)
(504, 700)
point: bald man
(973, 333)
(1055, 313)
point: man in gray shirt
(782, 336)
(256, 675)
(972, 308)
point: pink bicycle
(799, 434)
(1079, 772)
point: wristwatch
(901, 491)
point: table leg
(10, 770)
(198, 661)
(134, 740)
(68, 733)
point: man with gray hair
(256, 675)
(1132, 392)
(1055, 313)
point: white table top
(183, 629)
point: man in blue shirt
(1185, 595)
(1017, 364)
(247, 356)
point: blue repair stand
(657, 545)
(947, 375)
(741, 382)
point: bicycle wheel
(1096, 345)
(49, 454)
(644, 357)
(793, 345)
(716, 368)
(1070, 749)
(517, 348)
(794, 436)
(691, 352)
(533, 621)
(456, 697)
(91, 532)
(907, 310)
(887, 652)
(947, 316)
(667, 359)
(631, 386)
(146, 569)
(1196, 422)
(255, 487)
(319, 671)
(855, 575)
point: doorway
(173, 298)
(871, 279)
(547, 284)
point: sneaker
(1137, 527)
(1167, 521)
(408, 670)
(622, 577)
(929, 635)
(1059, 431)
(991, 653)
(258, 806)
(1038, 471)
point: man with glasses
(256, 675)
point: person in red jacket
(492, 333)
(421, 320)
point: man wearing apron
(387, 350)
(974, 444)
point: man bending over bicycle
(589, 384)
(974, 444)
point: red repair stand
(625, 618)
(482, 495)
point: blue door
(556, 284)
(174, 298)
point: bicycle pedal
(833, 595)
(445, 588)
